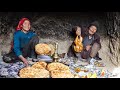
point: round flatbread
(40, 65)
(57, 66)
(30, 72)
(42, 49)
(52, 49)
(61, 74)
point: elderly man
(91, 44)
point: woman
(24, 42)
(76, 31)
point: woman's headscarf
(19, 27)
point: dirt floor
(104, 52)
(64, 45)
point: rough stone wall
(113, 31)
(50, 26)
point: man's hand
(88, 47)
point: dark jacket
(84, 32)
(96, 36)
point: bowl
(45, 58)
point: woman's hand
(24, 60)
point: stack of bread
(43, 70)
(37, 70)
(59, 70)
(42, 49)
